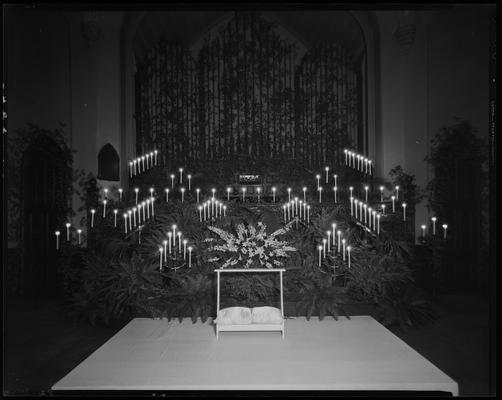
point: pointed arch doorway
(44, 189)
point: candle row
(142, 163)
(318, 177)
(68, 225)
(180, 180)
(357, 161)
(212, 209)
(143, 211)
(296, 208)
(366, 215)
(434, 219)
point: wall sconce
(405, 32)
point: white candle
(335, 176)
(369, 165)
(198, 191)
(324, 247)
(130, 220)
(146, 158)
(224, 211)
(134, 166)
(155, 152)
(328, 233)
(143, 206)
(139, 213)
(174, 235)
(351, 206)
(200, 213)
(92, 217)
(228, 194)
(393, 198)
(318, 177)
(179, 241)
(169, 235)
(143, 162)
(120, 194)
(182, 194)
(304, 194)
(134, 215)
(365, 209)
(374, 218)
(433, 225)
(444, 230)
(189, 180)
(213, 190)
(68, 231)
(423, 231)
(137, 191)
(79, 232)
(184, 249)
(148, 208)
(333, 226)
(289, 194)
(284, 209)
(308, 214)
(397, 192)
(105, 190)
(366, 193)
(381, 194)
(320, 193)
(348, 254)
(383, 209)
(189, 256)
(57, 239)
(243, 194)
(361, 211)
(172, 181)
(167, 194)
(164, 242)
(345, 151)
(326, 169)
(320, 253)
(258, 190)
(351, 189)
(151, 192)
(153, 209)
(204, 210)
(366, 165)
(338, 233)
(160, 258)
(343, 251)
(378, 224)
(273, 194)
(335, 189)
(104, 208)
(125, 222)
(369, 217)
(296, 205)
(181, 176)
(404, 211)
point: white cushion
(234, 316)
(266, 315)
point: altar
(357, 355)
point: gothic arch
(108, 163)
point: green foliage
(320, 295)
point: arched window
(108, 163)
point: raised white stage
(156, 355)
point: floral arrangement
(250, 247)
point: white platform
(356, 354)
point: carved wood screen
(245, 97)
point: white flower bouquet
(250, 247)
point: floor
(40, 346)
